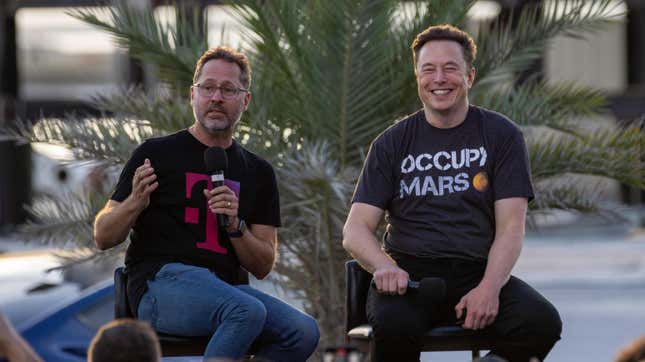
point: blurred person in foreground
(455, 181)
(12, 346)
(125, 340)
(183, 266)
(633, 352)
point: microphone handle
(413, 284)
(218, 180)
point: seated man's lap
(522, 311)
(191, 301)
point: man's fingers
(402, 286)
(151, 187)
(378, 283)
(469, 323)
(149, 179)
(222, 190)
(459, 308)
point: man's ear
(247, 99)
(471, 77)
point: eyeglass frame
(220, 88)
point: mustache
(215, 107)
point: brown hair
(230, 56)
(124, 340)
(446, 32)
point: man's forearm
(501, 259)
(509, 234)
(113, 223)
(255, 254)
(361, 243)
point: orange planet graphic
(480, 181)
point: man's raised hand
(144, 182)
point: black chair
(359, 332)
(170, 345)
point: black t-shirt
(439, 185)
(177, 226)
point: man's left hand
(222, 200)
(481, 305)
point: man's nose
(217, 95)
(439, 76)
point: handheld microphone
(431, 289)
(216, 162)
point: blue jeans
(191, 301)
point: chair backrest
(358, 283)
(121, 306)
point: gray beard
(216, 131)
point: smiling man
(454, 180)
(183, 266)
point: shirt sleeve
(266, 211)
(512, 170)
(376, 183)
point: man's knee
(305, 334)
(248, 311)
(539, 318)
(545, 321)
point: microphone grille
(215, 159)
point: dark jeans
(526, 322)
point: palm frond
(64, 221)
(567, 193)
(508, 47)
(173, 50)
(111, 140)
(106, 260)
(167, 112)
(557, 106)
(610, 152)
(315, 194)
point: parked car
(56, 315)
(55, 311)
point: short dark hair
(125, 340)
(446, 32)
(230, 56)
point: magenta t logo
(191, 215)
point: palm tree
(329, 77)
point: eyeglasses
(227, 91)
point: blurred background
(590, 265)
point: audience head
(125, 340)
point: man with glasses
(183, 268)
